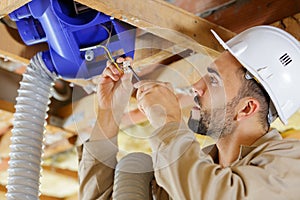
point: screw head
(89, 55)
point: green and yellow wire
(110, 57)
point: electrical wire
(110, 57)
(108, 54)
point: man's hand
(158, 102)
(113, 93)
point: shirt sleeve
(186, 172)
(97, 161)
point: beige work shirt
(268, 169)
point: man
(235, 102)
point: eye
(214, 81)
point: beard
(216, 122)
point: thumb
(126, 79)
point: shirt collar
(271, 135)
(212, 150)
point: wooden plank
(2, 195)
(13, 48)
(7, 6)
(12, 66)
(60, 146)
(9, 83)
(158, 57)
(184, 72)
(147, 45)
(174, 23)
(198, 7)
(290, 24)
(7, 106)
(247, 13)
(153, 50)
(164, 20)
(66, 172)
(2, 188)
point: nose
(199, 87)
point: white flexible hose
(133, 176)
(29, 126)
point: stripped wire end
(126, 65)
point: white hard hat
(272, 56)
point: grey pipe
(133, 176)
(29, 126)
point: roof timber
(203, 6)
(290, 24)
(155, 16)
(7, 6)
(242, 15)
(164, 20)
(14, 48)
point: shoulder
(283, 144)
(280, 148)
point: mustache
(197, 100)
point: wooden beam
(152, 50)
(147, 45)
(66, 172)
(291, 25)
(184, 72)
(7, 6)
(199, 7)
(14, 48)
(247, 13)
(7, 106)
(174, 24)
(164, 20)
(9, 83)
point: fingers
(112, 75)
(108, 74)
(121, 60)
(144, 87)
(112, 71)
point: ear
(248, 107)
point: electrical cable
(108, 54)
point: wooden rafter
(246, 14)
(200, 7)
(290, 24)
(164, 20)
(12, 46)
(7, 6)
(155, 16)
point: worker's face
(214, 111)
